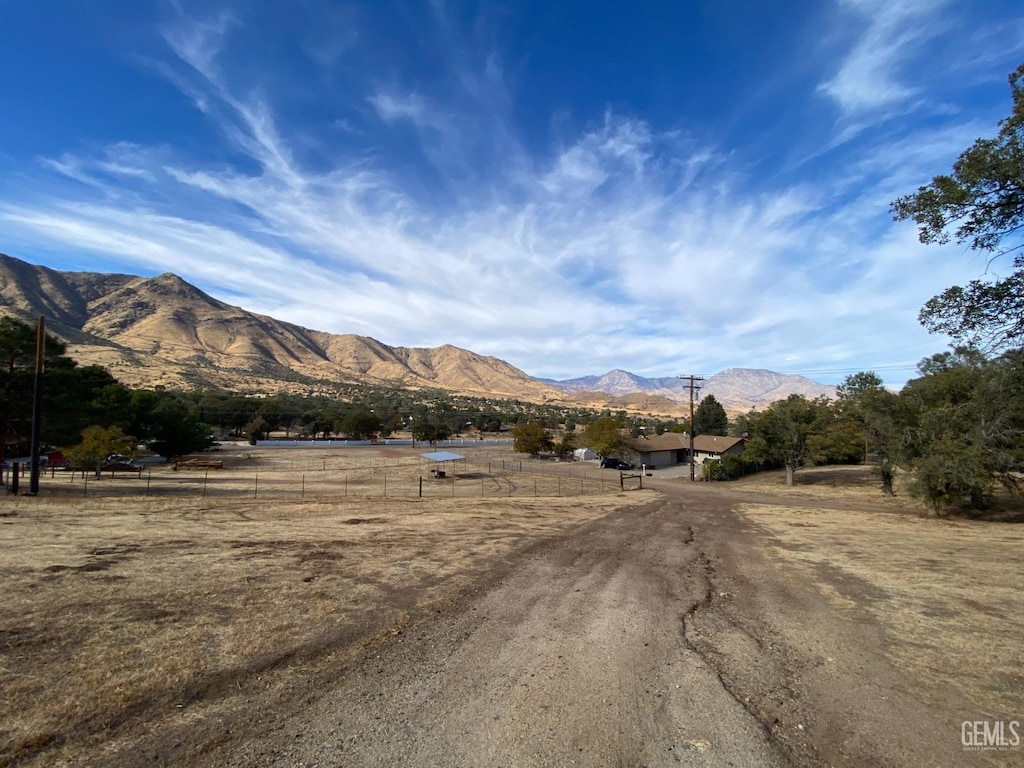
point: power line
(694, 386)
(876, 368)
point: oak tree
(980, 205)
(531, 437)
(790, 432)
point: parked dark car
(610, 462)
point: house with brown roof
(665, 450)
(673, 448)
(715, 447)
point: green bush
(712, 469)
(729, 468)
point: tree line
(958, 428)
(89, 415)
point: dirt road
(652, 637)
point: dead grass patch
(118, 608)
(330, 473)
(948, 593)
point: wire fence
(312, 478)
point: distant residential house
(715, 447)
(664, 450)
(673, 448)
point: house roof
(715, 443)
(669, 441)
(675, 441)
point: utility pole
(37, 407)
(694, 387)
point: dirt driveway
(657, 636)
(737, 624)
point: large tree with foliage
(710, 418)
(980, 205)
(177, 430)
(886, 422)
(74, 397)
(966, 426)
(359, 424)
(604, 436)
(566, 444)
(791, 433)
(531, 437)
(430, 426)
(853, 398)
(97, 443)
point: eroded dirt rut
(656, 636)
(578, 657)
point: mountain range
(737, 389)
(163, 331)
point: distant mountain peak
(164, 330)
(170, 284)
(737, 389)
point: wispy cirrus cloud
(871, 77)
(621, 243)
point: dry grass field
(133, 620)
(268, 473)
(120, 605)
(949, 593)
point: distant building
(664, 450)
(715, 447)
(673, 448)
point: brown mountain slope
(164, 331)
(28, 291)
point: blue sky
(664, 187)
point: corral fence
(407, 477)
(454, 442)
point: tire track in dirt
(817, 679)
(577, 657)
